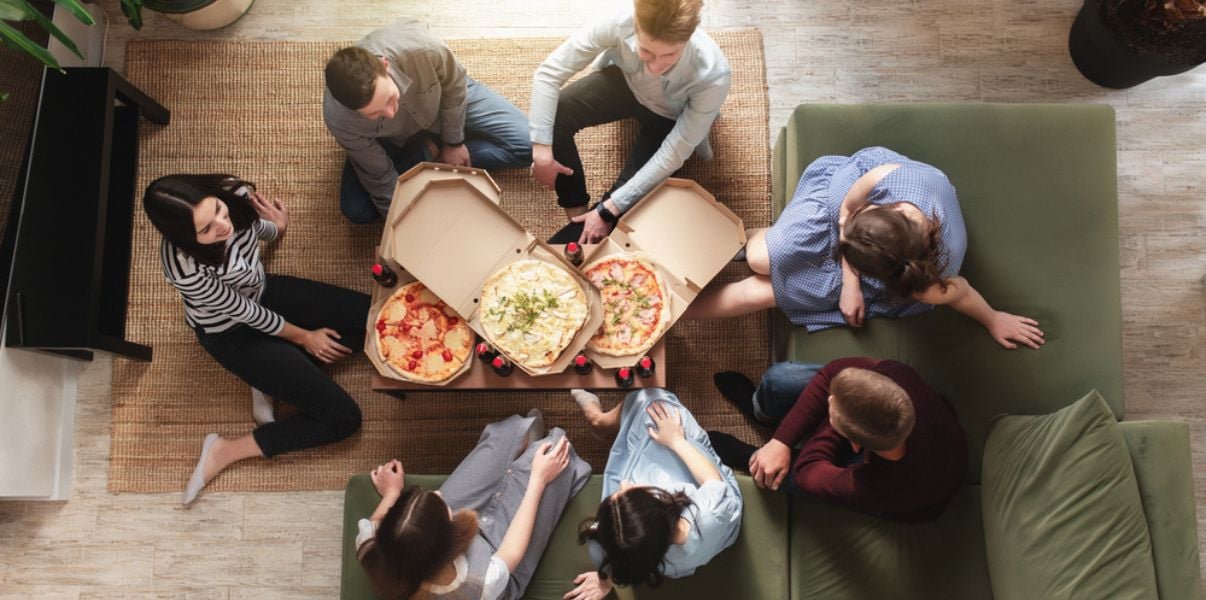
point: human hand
(669, 425)
(546, 172)
(270, 210)
(851, 303)
(590, 587)
(457, 156)
(321, 343)
(550, 460)
(389, 479)
(595, 228)
(770, 463)
(1006, 329)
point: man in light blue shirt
(654, 65)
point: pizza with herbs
(636, 306)
(420, 337)
(531, 310)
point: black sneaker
(738, 389)
(732, 451)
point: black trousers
(326, 413)
(601, 97)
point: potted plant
(1122, 43)
(22, 10)
(202, 15)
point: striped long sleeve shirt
(219, 298)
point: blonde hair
(873, 411)
(668, 20)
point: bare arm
(851, 302)
(669, 433)
(1005, 328)
(549, 461)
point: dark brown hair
(414, 541)
(669, 21)
(635, 528)
(169, 203)
(872, 410)
(352, 76)
(889, 246)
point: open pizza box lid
(413, 181)
(452, 236)
(379, 296)
(686, 233)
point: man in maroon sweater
(871, 435)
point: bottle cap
(580, 360)
(572, 247)
(498, 362)
(378, 269)
(625, 372)
(646, 362)
(483, 348)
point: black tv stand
(71, 262)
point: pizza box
(379, 296)
(452, 236)
(686, 233)
(413, 181)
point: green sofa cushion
(1061, 506)
(1037, 186)
(1164, 470)
(840, 554)
(754, 567)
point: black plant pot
(1105, 60)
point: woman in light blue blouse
(669, 504)
(875, 234)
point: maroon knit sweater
(915, 488)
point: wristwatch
(607, 215)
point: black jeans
(326, 413)
(598, 98)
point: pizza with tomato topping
(420, 337)
(636, 306)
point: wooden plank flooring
(286, 545)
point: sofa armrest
(1163, 466)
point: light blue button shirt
(691, 93)
(715, 512)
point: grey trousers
(492, 480)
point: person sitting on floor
(656, 65)
(669, 505)
(270, 330)
(871, 436)
(399, 97)
(875, 234)
(481, 535)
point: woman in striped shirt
(271, 331)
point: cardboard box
(449, 232)
(379, 296)
(686, 233)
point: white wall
(37, 424)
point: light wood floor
(267, 546)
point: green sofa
(1037, 187)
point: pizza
(420, 337)
(636, 307)
(531, 310)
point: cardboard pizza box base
(453, 237)
(686, 233)
(379, 296)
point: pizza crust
(422, 339)
(636, 310)
(531, 311)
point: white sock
(262, 409)
(583, 398)
(197, 481)
(536, 432)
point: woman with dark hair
(875, 234)
(482, 534)
(270, 330)
(669, 504)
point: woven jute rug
(254, 109)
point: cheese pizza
(420, 337)
(531, 310)
(636, 307)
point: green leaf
(18, 40)
(133, 11)
(3, 96)
(78, 10)
(54, 30)
(14, 10)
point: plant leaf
(14, 10)
(54, 30)
(76, 9)
(18, 40)
(3, 96)
(133, 11)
